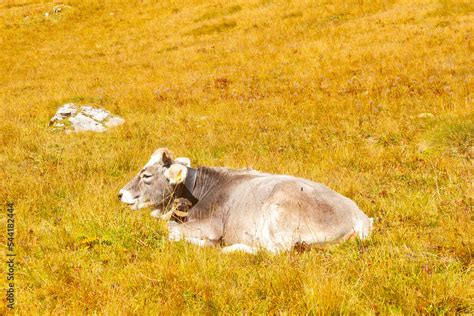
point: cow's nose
(120, 194)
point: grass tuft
(456, 136)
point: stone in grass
(97, 114)
(73, 118)
(80, 123)
(65, 111)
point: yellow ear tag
(179, 176)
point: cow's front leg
(198, 233)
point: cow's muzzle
(126, 197)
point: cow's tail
(363, 227)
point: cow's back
(277, 211)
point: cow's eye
(146, 175)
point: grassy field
(372, 98)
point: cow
(242, 209)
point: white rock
(96, 114)
(68, 108)
(71, 117)
(65, 111)
(81, 123)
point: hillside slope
(372, 98)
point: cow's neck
(199, 183)
(189, 186)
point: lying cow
(244, 209)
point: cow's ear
(166, 157)
(184, 161)
(176, 173)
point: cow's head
(156, 183)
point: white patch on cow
(174, 232)
(271, 237)
(197, 241)
(127, 197)
(241, 248)
(266, 239)
(184, 161)
(154, 159)
(138, 206)
(156, 213)
(177, 173)
(276, 238)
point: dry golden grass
(326, 90)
